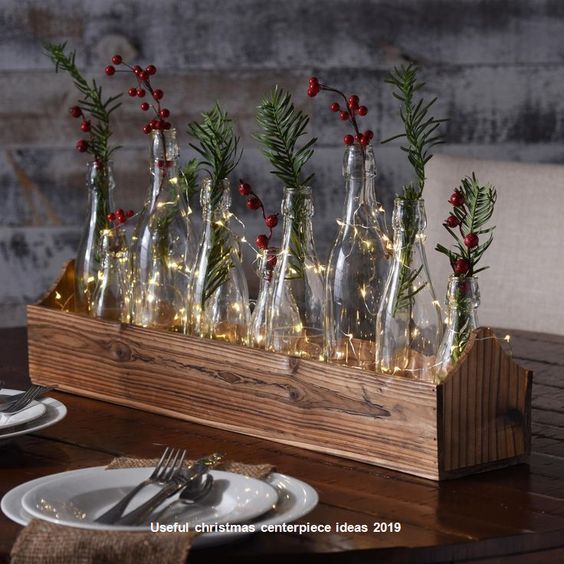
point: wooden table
(516, 512)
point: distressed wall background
(497, 67)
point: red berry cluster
(271, 220)
(119, 217)
(461, 266)
(82, 145)
(349, 111)
(143, 76)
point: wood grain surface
(514, 515)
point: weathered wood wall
(498, 67)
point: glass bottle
(357, 268)
(110, 296)
(257, 333)
(100, 184)
(462, 300)
(219, 294)
(408, 326)
(162, 244)
(296, 314)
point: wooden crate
(477, 419)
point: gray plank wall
(496, 65)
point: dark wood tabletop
(514, 515)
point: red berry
(132, 91)
(166, 125)
(471, 240)
(129, 213)
(161, 124)
(75, 111)
(313, 90)
(253, 203)
(111, 216)
(85, 126)
(362, 110)
(313, 80)
(145, 106)
(244, 188)
(461, 266)
(348, 139)
(154, 124)
(456, 198)
(164, 113)
(143, 75)
(344, 115)
(334, 107)
(158, 94)
(147, 129)
(262, 242)
(452, 221)
(151, 69)
(160, 163)
(137, 69)
(364, 141)
(140, 92)
(271, 221)
(117, 60)
(81, 145)
(353, 101)
(369, 134)
(110, 70)
(119, 211)
(271, 261)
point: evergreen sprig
(92, 101)
(421, 129)
(188, 181)
(282, 126)
(471, 215)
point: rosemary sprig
(282, 126)
(219, 147)
(92, 102)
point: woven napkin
(42, 542)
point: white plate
(34, 410)
(296, 500)
(54, 412)
(77, 498)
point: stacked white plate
(38, 415)
(76, 498)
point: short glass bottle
(357, 268)
(219, 295)
(100, 185)
(462, 301)
(295, 321)
(257, 332)
(163, 244)
(110, 296)
(408, 326)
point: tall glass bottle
(110, 296)
(357, 268)
(219, 294)
(296, 314)
(408, 326)
(100, 184)
(257, 333)
(162, 244)
(462, 300)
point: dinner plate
(78, 498)
(54, 412)
(295, 499)
(33, 411)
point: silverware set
(13, 404)
(172, 477)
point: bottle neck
(215, 199)
(463, 300)
(164, 166)
(297, 211)
(100, 184)
(408, 222)
(359, 173)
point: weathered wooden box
(477, 419)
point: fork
(23, 400)
(169, 463)
(8, 400)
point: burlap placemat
(42, 542)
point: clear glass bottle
(100, 185)
(257, 333)
(219, 294)
(110, 296)
(357, 268)
(462, 300)
(163, 244)
(408, 326)
(295, 321)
